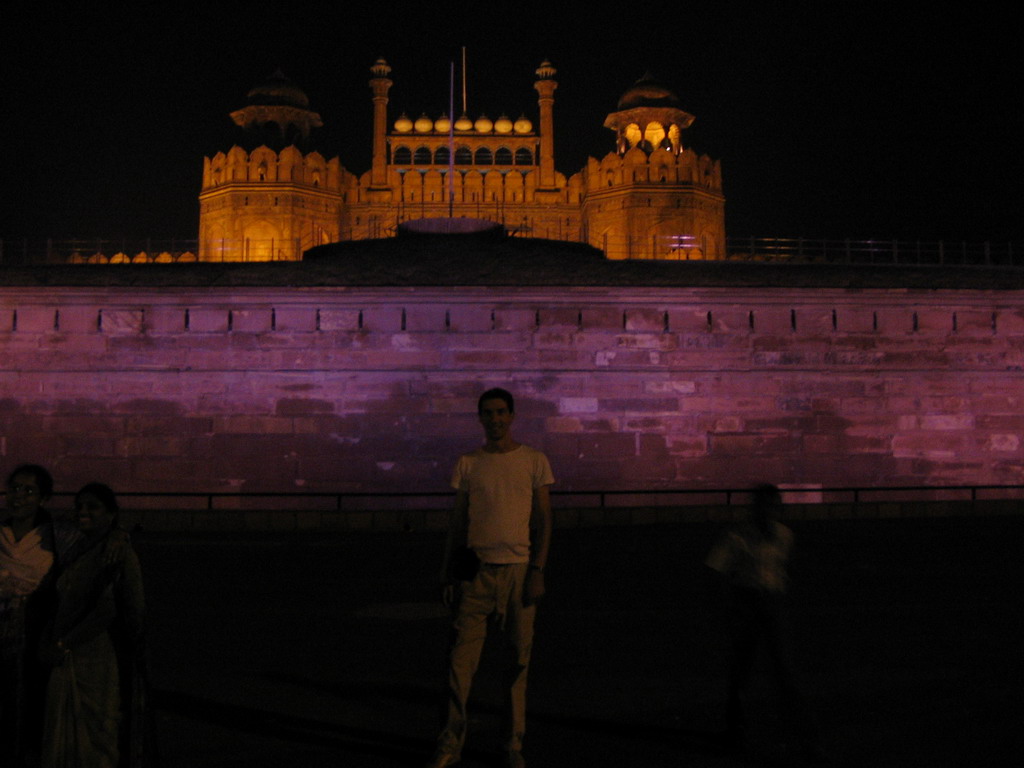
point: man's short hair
(42, 477)
(497, 393)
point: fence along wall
(286, 389)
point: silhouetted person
(493, 567)
(751, 559)
(91, 643)
(32, 544)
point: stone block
(558, 317)
(122, 321)
(670, 387)
(639, 405)
(1004, 442)
(301, 406)
(604, 446)
(339, 319)
(774, 319)
(6, 319)
(976, 323)
(646, 319)
(730, 320)
(250, 320)
(295, 319)
(556, 424)
(601, 318)
(32, 319)
(816, 320)
(1009, 322)
(381, 319)
(207, 320)
(954, 421)
(509, 319)
(165, 320)
(749, 445)
(78, 319)
(688, 320)
(937, 321)
(853, 319)
(426, 318)
(463, 318)
(86, 346)
(894, 321)
(91, 445)
(577, 405)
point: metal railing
(798, 250)
(583, 498)
(681, 247)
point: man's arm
(457, 526)
(541, 544)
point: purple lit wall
(284, 389)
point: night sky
(851, 122)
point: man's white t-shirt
(500, 489)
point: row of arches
(404, 155)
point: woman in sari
(33, 545)
(92, 644)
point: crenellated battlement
(265, 166)
(659, 167)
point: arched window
(524, 156)
(441, 156)
(403, 156)
(422, 156)
(503, 156)
(463, 156)
(483, 156)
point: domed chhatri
(649, 118)
(649, 197)
(278, 90)
(648, 92)
(277, 113)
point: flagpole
(451, 141)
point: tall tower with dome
(650, 197)
(270, 197)
(653, 198)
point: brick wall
(286, 389)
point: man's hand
(533, 590)
(448, 594)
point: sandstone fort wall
(371, 390)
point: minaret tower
(380, 83)
(546, 86)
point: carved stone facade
(649, 198)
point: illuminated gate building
(650, 197)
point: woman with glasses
(32, 543)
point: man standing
(493, 566)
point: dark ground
(311, 651)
